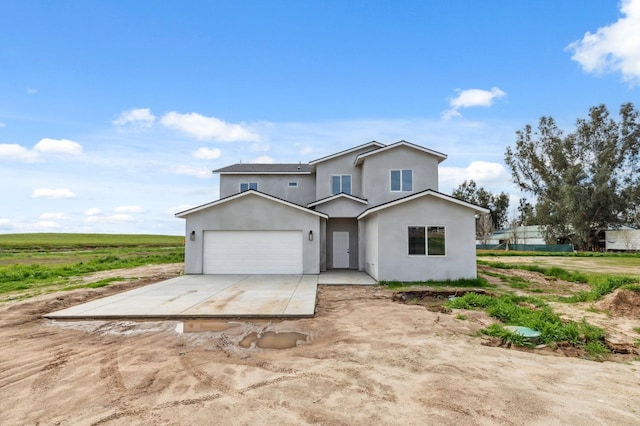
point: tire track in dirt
(51, 370)
(202, 376)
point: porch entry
(341, 250)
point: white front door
(340, 249)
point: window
(340, 183)
(293, 184)
(401, 180)
(416, 240)
(248, 185)
(429, 241)
(436, 241)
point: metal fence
(549, 248)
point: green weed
(464, 283)
(529, 312)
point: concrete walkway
(206, 296)
(345, 277)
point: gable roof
(335, 197)
(360, 158)
(373, 144)
(427, 192)
(250, 192)
(263, 168)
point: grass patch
(636, 329)
(536, 314)
(601, 284)
(552, 272)
(53, 260)
(513, 253)
(96, 284)
(461, 317)
(57, 241)
(463, 283)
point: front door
(341, 250)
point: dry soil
(364, 359)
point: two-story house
(374, 208)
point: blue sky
(113, 114)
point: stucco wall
(343, 225)
(342, 207)
(369, 249)
(376, 171)
(394, 262)
(249, 213)
(276, 185)
(342, 165)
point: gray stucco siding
(342, 165)
(252, 213)
(376, 173)
(369, 245)
(276, 185)
(342, 207)
(390, 235)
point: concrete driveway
(207, 296)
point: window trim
(426, 240)
(341, 184)
(401, 181)
(248, 186)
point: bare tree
(484, 227)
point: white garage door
(252, 252)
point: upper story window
(244, 186)
(293, 184)
(401, 180)
(340, 183)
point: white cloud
(613, 48)
(129, 209)
(119, 218)
(47, 225)
(140, 117)
(54, 216)
(2, 124)
(472, 98)
(58, 146)
(207, 128)
(93, 212)
(5, 224)
(484, 173)
(199, 172)
(31, 90)
(207, 153)
(17, 152)
(263, 159)
(53, 193)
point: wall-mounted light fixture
(310, 235)
(192, 236)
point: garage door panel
(252, 252)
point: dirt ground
(363, 359)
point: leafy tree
(584, 182)
(526, 213)
(498, 205)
